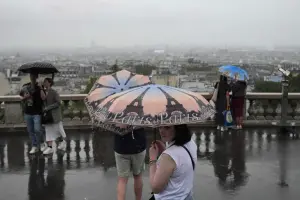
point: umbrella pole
(154, 131)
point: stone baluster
(291, 109)
(278, 111)
(207, 141)
(251, 110)
(270, 110)
(261, 108)
(297, 111)
(77, 149)
(198, 141)
(87, 149)
(1, 113)
(85, 115)
(67, 114)
(76, 108)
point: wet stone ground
(244, 165)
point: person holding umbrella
(129, 145)
(32, 97)
(170, 110)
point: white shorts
(53, 131)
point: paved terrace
(245, 164)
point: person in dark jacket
(238, 98)
(32, 97)
(130, 152)
(222, 101)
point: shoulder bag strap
(190, 157)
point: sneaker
(33, 150)
(218, 127)
(222, 128)
(62, 146)
(48, 151)
(43, 147)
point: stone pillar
(13, 113)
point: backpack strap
(193, 163)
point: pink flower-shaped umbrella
(108, 85)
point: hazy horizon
(122, 23)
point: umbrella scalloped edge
(207, 112)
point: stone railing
(260, 109)
(86, 149)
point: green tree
(115, 68)
(267, 86)
(144, 69)
(90, 84)
(294, 84)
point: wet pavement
(237, 165)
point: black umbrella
(38, 67)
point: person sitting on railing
(55, 129)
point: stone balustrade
(260, 109)
(86, 149)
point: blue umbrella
(234, 72)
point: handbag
(228, 118)
(193, 163)
(47, 117)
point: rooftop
(243, 164)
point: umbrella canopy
(154, 106)
(38, 67)
(234, 72)
(108, 85)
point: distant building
(273, 78)
(197, 86)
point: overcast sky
(114, 23)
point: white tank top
(181, 181)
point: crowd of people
(172, 160)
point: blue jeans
(34, 128)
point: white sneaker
(43, 147)
(33, 150)
(48, 151)
(218, 127)
(222, 128)
(62, 145)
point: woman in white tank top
(172, 174)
